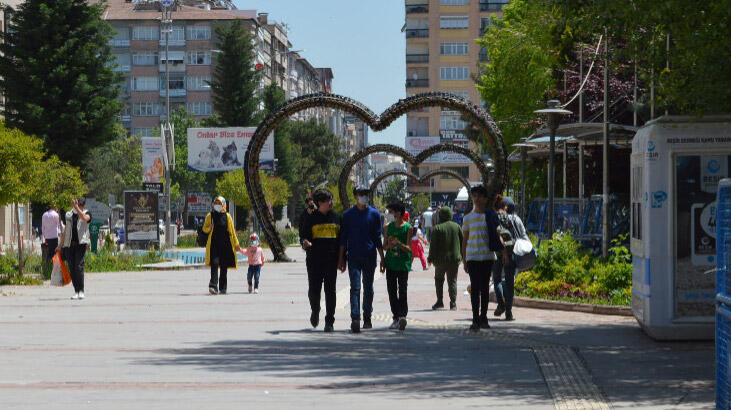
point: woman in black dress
(221, 247)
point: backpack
(202, 239)
(506, 230)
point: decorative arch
(490, 136)
(416, 178)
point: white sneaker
(81, 294)
(256, 290)
(394, 325)
(76, 296)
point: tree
(235, 80)
(114, 168)
(232, 185)
(57, 76)
(185, 180)
(27, 176)
(420, 202)
(395, 191)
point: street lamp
(166, 26)
(553, 114)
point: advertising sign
(199, 202)
(449, 135)
(223, 149)
(414, 145)
(153, 169)
(152, 186)
(443, 199)
(140, 216)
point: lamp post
(524, 146)
(553, 114)
(166, 25)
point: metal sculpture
(417, 178)
(475, 114)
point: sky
(360, 40)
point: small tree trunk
(20, 242)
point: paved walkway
(156, 339)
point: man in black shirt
(320, 233)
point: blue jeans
(254, 272)
(503, 278)
(361, 268)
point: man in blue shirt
(360, 234)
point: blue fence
(723, 295)
(580, 217)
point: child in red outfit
(417, 247)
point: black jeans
(218, 283)
(397, 282)
(321, 272)
(479, 272)
(75, 263)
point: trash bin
(94, 235)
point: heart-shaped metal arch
(410, 159)
(475, 114)
(417, 178)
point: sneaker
(499, 311)
(367, 323)
(213, 290)
(394, 325)
(329, 329)
(438, 305)
(452, 305)
(256, 290)
(81, 295)
(315, 319)
(76, 296)
(250, 288)
(402, 323)
(355, 326)
(222, 292)
(509, 316)
(475, 327)
(483, 323)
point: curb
(179, 267)
(569, 306)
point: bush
(187, 241)
(106, 261)
(9, 269)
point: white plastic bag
(56, 275)
(522, 247)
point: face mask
(363, 200)
(218, 207)
(390, 217)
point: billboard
(199, 202)
(414, 145)
(153, 169)
(140, 216)
(223, 149)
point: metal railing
(177, 92)
(417, 58)
(417, 8)
(492, 5)
(420, 82)
(417, 33)
(119, 42)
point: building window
(176, 83)
(199, 58)
(177, 35)
(142, 132)
(200, 108)
(145, 109)
(199, 83)
(454, 2)
(452, 122)
(492, 5)
(464, 172)
(199, 32)
(454, 73)
(145, 58)
(121, 61)
(121, 37)
(454, 22)
(485, 23)
(145, 83)
(145, 33)
(454, 49)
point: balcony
(417, 58)
(172, 41)
(492, 5)
(173, 67)
(417, 8)
(419, 82)
(174, 92)
(115, 42)
(417, 33)
(121, 68)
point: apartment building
(442, 55)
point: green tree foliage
(395, 191)
(235, 80)
(232, 185)
(27, 176)
(56, 74)
(419, 203)
(114, 168)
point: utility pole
(166, 25)
(605, 152)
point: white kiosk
(676, 163)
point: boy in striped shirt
(481, 244)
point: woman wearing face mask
(221, 246)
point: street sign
(152, 186)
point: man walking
(50, 224)
(427, 222)
(320, 239)
(445, 253)
(397, 263)
(480, 243)
(75, 240)
(361, 235)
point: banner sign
(223, 149)
(443, 199)
(414, 145)
(199, 202)
(152, 186)
(153, 169)
(450, 135)
(140, 216)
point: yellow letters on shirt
(325, 231)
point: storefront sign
(152, 186)
(153, 169)
(451, 135)
(443, 199)
(223, 149)
(140, 216)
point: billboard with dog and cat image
(223, 149)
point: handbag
(202, 238)
(525, 254)
(60, 274)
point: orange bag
(57, 260)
